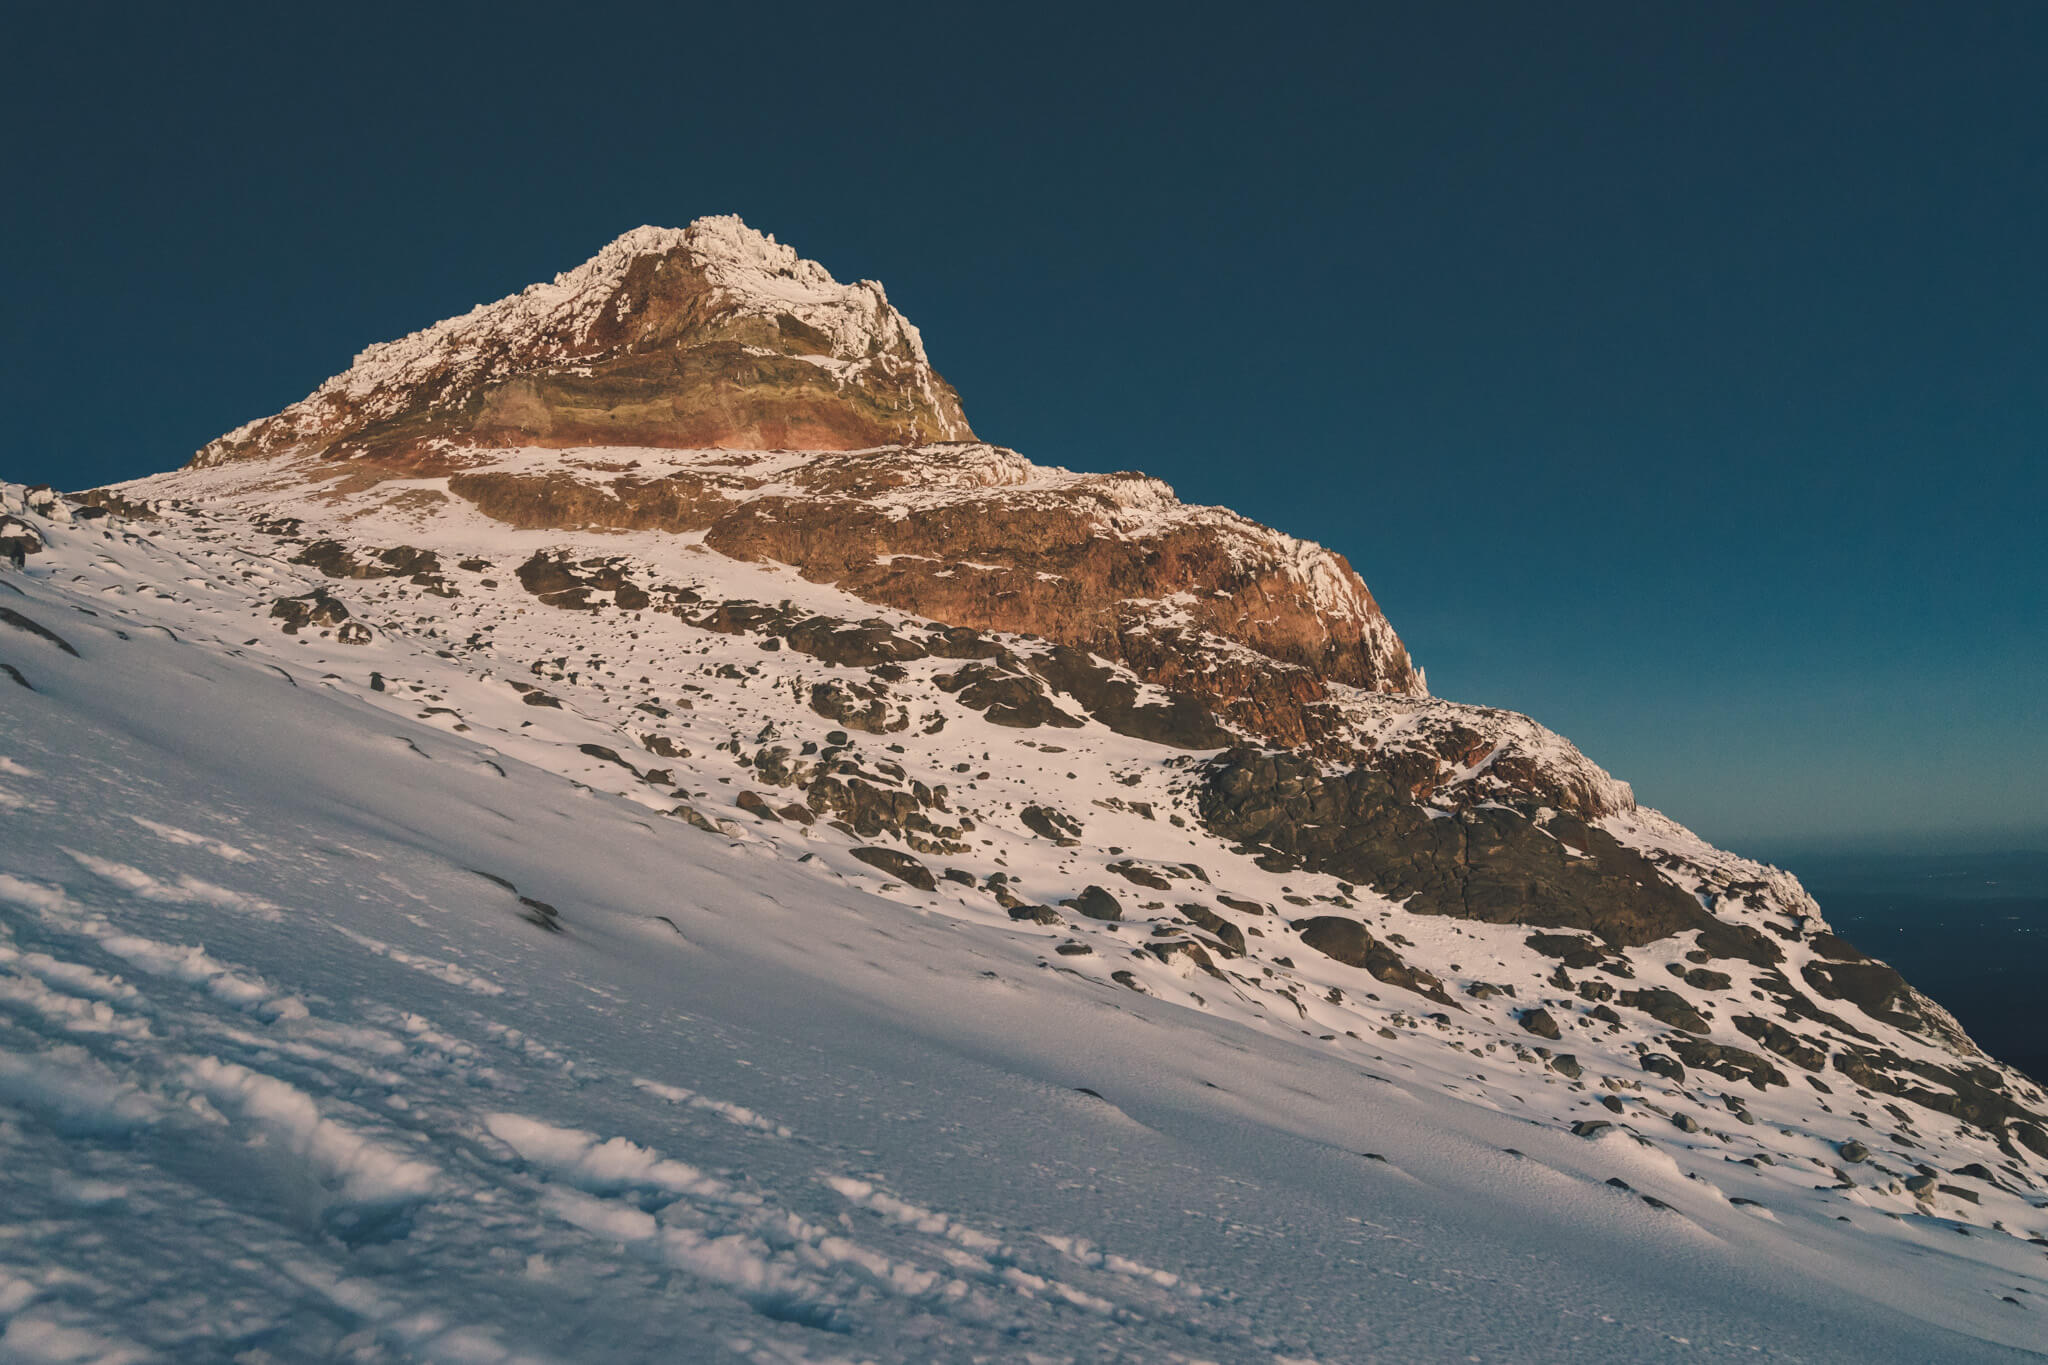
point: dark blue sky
(1675, 373)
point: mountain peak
(710, 336)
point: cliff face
(710, 336)
(1198, 600)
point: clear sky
(1677, 374)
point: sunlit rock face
(709, 336)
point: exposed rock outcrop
(1486, 862)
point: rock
(1852, 1152)
(1095, 903)
(757, 805)
(1567, 1065)
(899, 865)
(18, 540)
(539, 912)
(871, 802)
(1740, 941)
(1035, 914)
(337, 560)
(1110, 696)
(605, 755)
(316, 608)
(1685, 1123)
(1573, 950)
(1229, 935)
(558, 582)
(1007, 698)
(353, 633)
(859, 707)
(1666, 1007)
(1186, 950)
(1349, 942)
(1879, 991)
(1657, 1064)
(1733, 1063)
(1488, 863)
(1590, 1128)
(1140, 875)
(1782, 1041)
(690, 815)
(1538, 1022)
(848, 644)
(1049, 823)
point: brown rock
(1095, 903)
(900, 865)
(1349, 942)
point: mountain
(504, 859)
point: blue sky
(1676, 374)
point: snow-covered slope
(427, 938)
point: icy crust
(512, 939)
(551, 323)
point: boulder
(899, 865)
(1095, 903)
(316, 608)
(1349, 942)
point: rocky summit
(715, 336)
(667, 623)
